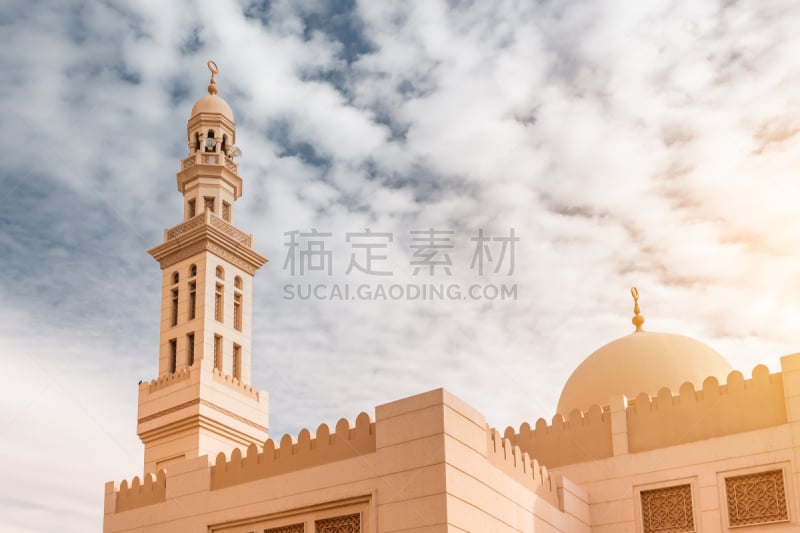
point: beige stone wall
(426, 464)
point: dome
(640, 362)
(211, 103)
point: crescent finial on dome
(212, 85)
(637, 320)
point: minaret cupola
(209, 177)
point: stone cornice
(213, 235)
(206, 403)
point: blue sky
(627, 143)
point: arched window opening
(220, 273)
(192, 299)
(190, 349)
(237, 361)
(237, 311)
(237, 282)
(173, 355)
(174, 307)
(192, 208)
(197, 141)
(218, 303)
(192, 271)
(210, 142)
(175, 278)
(217, 352)
(225, 144)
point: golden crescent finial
(212, 85)
(637, 320)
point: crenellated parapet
(581, 437)
(234, 383)
(140, 493)
(289, 455)
(715, 410)
(517, 463)
(168, 379)
(667, 419)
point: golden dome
(640, 362)
(211, 103)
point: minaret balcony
(209, 218)
(205, 158)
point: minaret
(202, 402)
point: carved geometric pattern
(182, 254)
(294, 528)
(668, 510)
(232, 259)
(756, 498)
(196, 248)
(230, 231)
(190, 224)
(340, 524)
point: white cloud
(647, 143)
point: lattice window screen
(667, 510)
(294, 528)
(756, 498)
(340, 524)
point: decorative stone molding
(190, 224)
(668, 510)
(294, 528)
(231, 258)
(206, 403)
(758, 498)
(230, 230)
(182, 254)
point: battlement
(655, 422)
(520, 466)
(713, 411)
(235, 383)
(168, 379)
(346, 442)
(582, 437)
(139, 494)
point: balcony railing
(207, 217)
(209, 159)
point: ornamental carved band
(294, 528)
(340, 524)
(667, 510)
(756, 498)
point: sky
(625, 143)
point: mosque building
(639, 449)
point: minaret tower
(202, 402)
